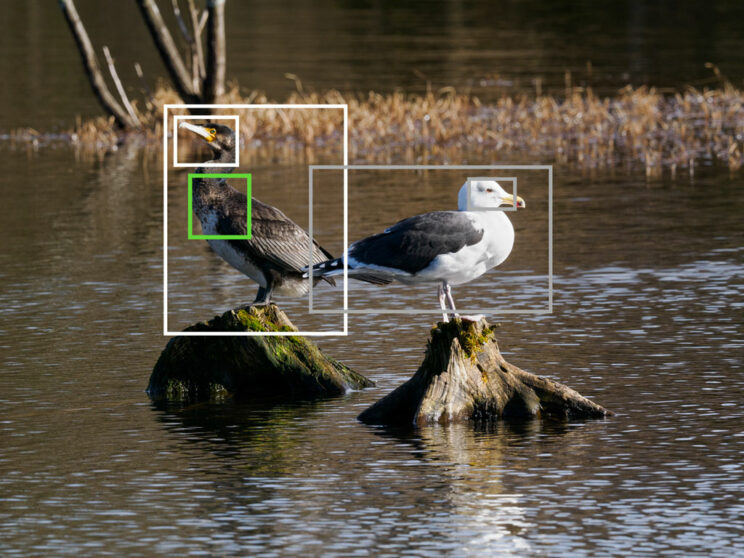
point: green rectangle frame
(193, 236)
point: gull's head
(485, 194)
(220, 138)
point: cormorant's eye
(212, 131)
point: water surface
(648, 306)
(649, 299)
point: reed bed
(639, 125)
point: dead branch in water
(146, 91)
(198, 21)
(196, 83)
(179, 74)
(90, 62)
(119, 87)
(214, 83)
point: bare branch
(149, 99)
(120, 87)
(90, 62)
(181, 23)
(168, 51)
(195, 79)
(191, 40)
(203, 20)
(198, 22)
(214, 83)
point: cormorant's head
(485, 194)
(220, 138)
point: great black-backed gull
(443, 247)
(275, 255)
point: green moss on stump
(471, 335)
(276, 367)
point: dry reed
(638, 125)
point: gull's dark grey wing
(412, 244)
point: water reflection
(391, 488)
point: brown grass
(638, 125)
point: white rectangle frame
(207, 117)
(171, 106)
(495, 311)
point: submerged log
(277, 367)
(464, 377)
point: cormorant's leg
(441, 295)
(264, 293)
(448, 292)
(261, 297)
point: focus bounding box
(548, 309)
(190, 204)
(170, 160)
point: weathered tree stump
(274, 367)
(464, 377)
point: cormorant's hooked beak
(207, 134)
(509, 200)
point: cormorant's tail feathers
(334, 267)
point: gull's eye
(489, 190)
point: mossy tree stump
(277, 367)
(464, 377)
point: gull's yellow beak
(207, 133)
(509, 200)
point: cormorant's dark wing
(274, 236)
(411, 245)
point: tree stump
(464, 377)
(271, 367)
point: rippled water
(648, 322)
(649, 301)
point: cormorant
(278, 248)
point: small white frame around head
(206, 118)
